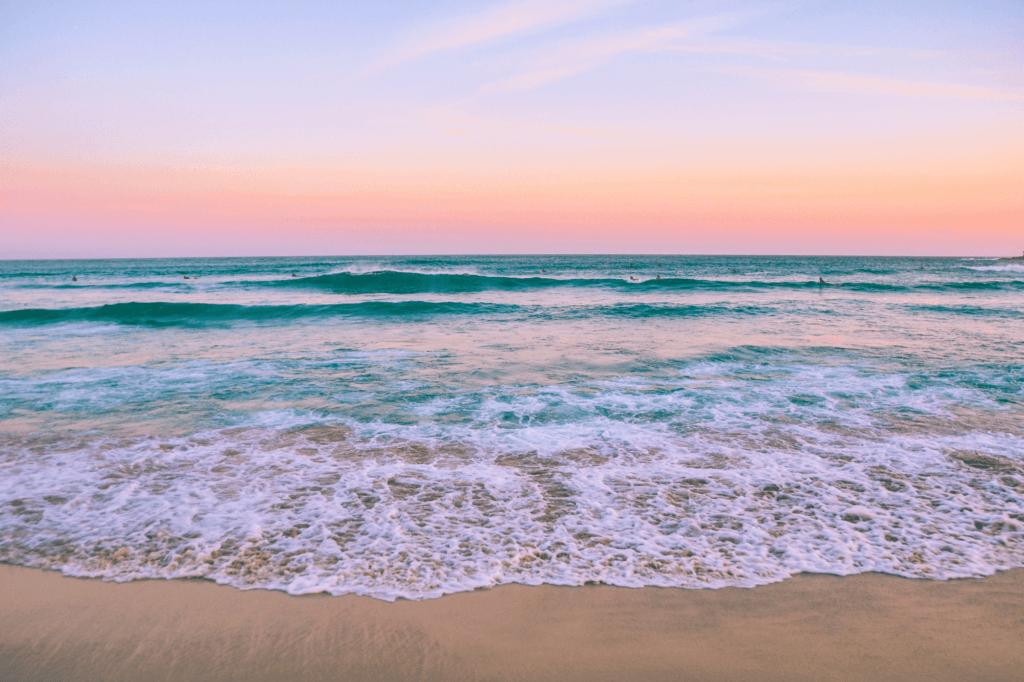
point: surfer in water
(821, 280)
(74, 278)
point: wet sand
(811, 627)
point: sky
(152, 129)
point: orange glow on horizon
(821, 211)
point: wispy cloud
(554, 60)
(762, 50)
(830, 81)
(517, 17)
(783, 51)
(566, 59)
(575, 57)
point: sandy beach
(811, 627)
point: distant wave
(109, 285)
(166, 314)
(172, 314)
(395, 282)
(411, 283)
(199, 314)
(968, 310)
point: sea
(407, 427)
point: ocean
(415, 426)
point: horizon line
(519, 255)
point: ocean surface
(409, 427)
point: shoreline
(868, 626)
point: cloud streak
(575, 57)
(782, 51)
(518, 17)
(828, 81)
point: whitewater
(416, 426)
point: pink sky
(565, 126)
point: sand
(811, 627)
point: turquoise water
(416, 426)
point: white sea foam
(369, 268)
(631, 482)
(1011, 267)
